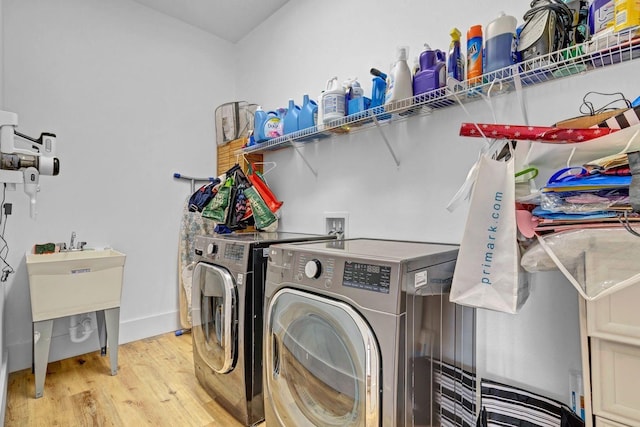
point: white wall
(4, 354)
(307, 42)
(131, 95)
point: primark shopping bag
(487, 273)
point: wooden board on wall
(227, 157)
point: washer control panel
(343, 272)
(371, 277)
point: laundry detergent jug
(308, 113)
(433, 71)
(333, 101)
(272, 126)
(291, 118)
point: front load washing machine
(227, 317)
(336, 329)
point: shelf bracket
(386, 141)
(304, 159)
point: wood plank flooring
(155, 385)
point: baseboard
(62, 348)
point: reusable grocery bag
(487, 273)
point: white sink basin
(66, 283)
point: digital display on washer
(233, 251)
(367, 276)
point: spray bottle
(456, 58)
(378, 87)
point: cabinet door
(616, 317)
(603, 422)
(616, 375)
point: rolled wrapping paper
(532, 133)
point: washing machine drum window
(214, 316)
(322, 356)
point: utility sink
(66, 283)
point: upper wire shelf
(594, 54)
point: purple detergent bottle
(433, 71)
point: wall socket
(336, 223)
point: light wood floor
(155, 385)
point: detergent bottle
(455, 66)
(272, 126)
(333, 101)
(399, 84)
(308, 113)
(259, 119)
(500, 35)
(356, 101)
(433, 71)
(290, 124)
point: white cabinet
(613, 340)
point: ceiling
(230, 20)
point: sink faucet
(72, 244)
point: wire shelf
(594, 54)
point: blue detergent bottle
(272, 127)
(259, 119)
(291, 118)
(308, 113)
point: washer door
(322, 362)
(214, 316)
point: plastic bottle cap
(455, 34)
(402, 53)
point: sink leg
(112, 317)
(102, 332)
(42, 342)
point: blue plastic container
(378, 87)
(308, 115)
(499, 42)
(259, 119)
(291, 118)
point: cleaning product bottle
(320, 114)
(357, 101)
(259, 119)
(474, 55)
(399, 84)
(308, 113)
(432, 74)
(455, 65)
(378, 87)
(272, 126)
(500, 35)
(333, 101)
(290, 124)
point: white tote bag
(488, 273)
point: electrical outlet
(336, 223)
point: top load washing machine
(338, 346)
(227, 321)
